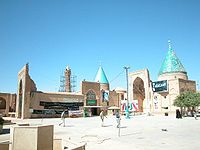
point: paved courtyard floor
(137, 133)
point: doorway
(94, 111)
(139, 92)
(20, 100)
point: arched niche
(139, 92)
(2, 103)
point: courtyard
(138, 133)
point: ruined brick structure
(7, 104)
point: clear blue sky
(80, 33)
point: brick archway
(91, 98)
(139, 92)
(140, 79)
(2, 103)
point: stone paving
(137, 133)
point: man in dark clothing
(178, 114)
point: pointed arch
(2, 103)
(20, 98)
(90, 95)
(91, 99)
(139, 92)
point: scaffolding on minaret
(72, 82)
(62, 83)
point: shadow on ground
(131, 134)
(123, 127)
(107, 125)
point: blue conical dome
(101, 76)
(171, 63)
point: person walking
(118, 118)
(62, 118)
(102, 117)
(178, 114)
(195, 114)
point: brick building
(97, 94)
(93, 96)
(150, 95)
(7, 104)
(145, 95)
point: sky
(82, 34)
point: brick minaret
(67, 77)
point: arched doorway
(139, 92)
(91, 98)
(2, 103)
(20, 99)
(92, 101)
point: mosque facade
(158, 96)
(98, 96)
(144, 95)
(31, 103)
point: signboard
(105, 96)
(133, 105)
(77, 113)
(31, 110)
(91, 102)
(159, 86)
(61, 105)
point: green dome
(171, 63)
(101, 76)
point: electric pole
(127, 107)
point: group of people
(102, 116)
(179, 115)
(118, 118)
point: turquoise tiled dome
(171, 63)
(101, 76)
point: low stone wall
(4, 145)
(32, 138)
(45, 115)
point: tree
(187, 100)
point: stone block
(57, 144)
(32, 138)
(4, 145)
